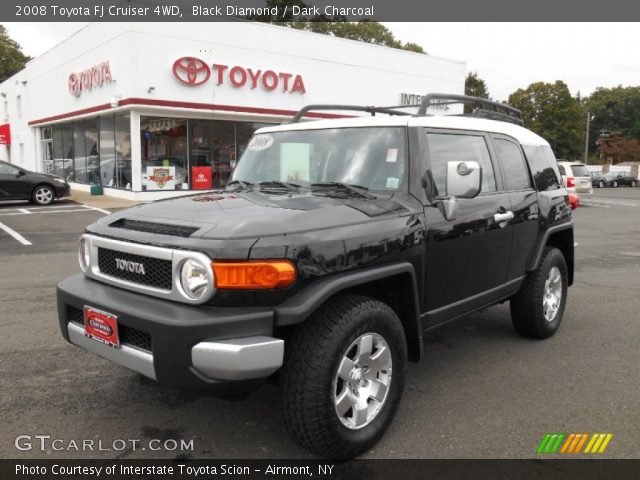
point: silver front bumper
(234, 359)
(126, 356)
(238, 358)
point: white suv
(575, 177)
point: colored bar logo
(574, 442)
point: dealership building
(150, 108)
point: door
(10, 181)
(523, 198)
(467, 258)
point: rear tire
(633, 183)
(43, 195)
(537, 309)
(601, 184)
(615, 184)
(343, 376)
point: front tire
(43, 195)
(537, 308)
(633, 183)
(615, 184)
(343, 376)
(601, 184)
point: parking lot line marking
(24, 210)
(90, 207)
(15, 234)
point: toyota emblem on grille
(129, 266)
(191, 71)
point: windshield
(373, 158)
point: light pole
(586, 139)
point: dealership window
(123, 150)
(47, 149)
(165, 164)
(19, 106)
(63, 150)
(115, 151)
(212, 151)
(191, 154)
(21, 152)
(85, 141)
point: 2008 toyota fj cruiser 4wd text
(335, 245)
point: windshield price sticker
(260, 142)
(392, 155)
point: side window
(561, 168)
(513, 165)
(6, 169)
(447, 147)
(544, 167)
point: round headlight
(83, 254)
(194, 279)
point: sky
(507, 56)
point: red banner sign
(5, 134)
(201, 178)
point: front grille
(127, 335)
(75, 315)
(134, 337)
(157, 272)
(157, 228)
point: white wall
(141, 55)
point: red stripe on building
(178, 104)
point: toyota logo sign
(191, 71)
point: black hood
(251, 214)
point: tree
(614, 109)
(549, 110)
(337, 26)
(12, 60)
(475, 86)
(618, 148)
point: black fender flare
(537, 254)
(299, 307)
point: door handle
(503, 218)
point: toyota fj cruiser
(333, 248)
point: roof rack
(353, 108)
(484, 108)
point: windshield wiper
(239, 184)
(279, 186)
(342, 189)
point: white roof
(523, 135)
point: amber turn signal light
(254, 275)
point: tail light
(571, 182)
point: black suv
(333, 248)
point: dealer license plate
(101, 326)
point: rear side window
(562, 170)
(512, 163)
(446, 147)
(579, 170)
(544, 167)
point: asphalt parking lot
(480, 392)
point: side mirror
(463, 179)
(21, 173)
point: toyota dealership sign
(192, 71)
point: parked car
(598, 179)
(616, 179)
(576, 177)
(16, 183)
(335, 245)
